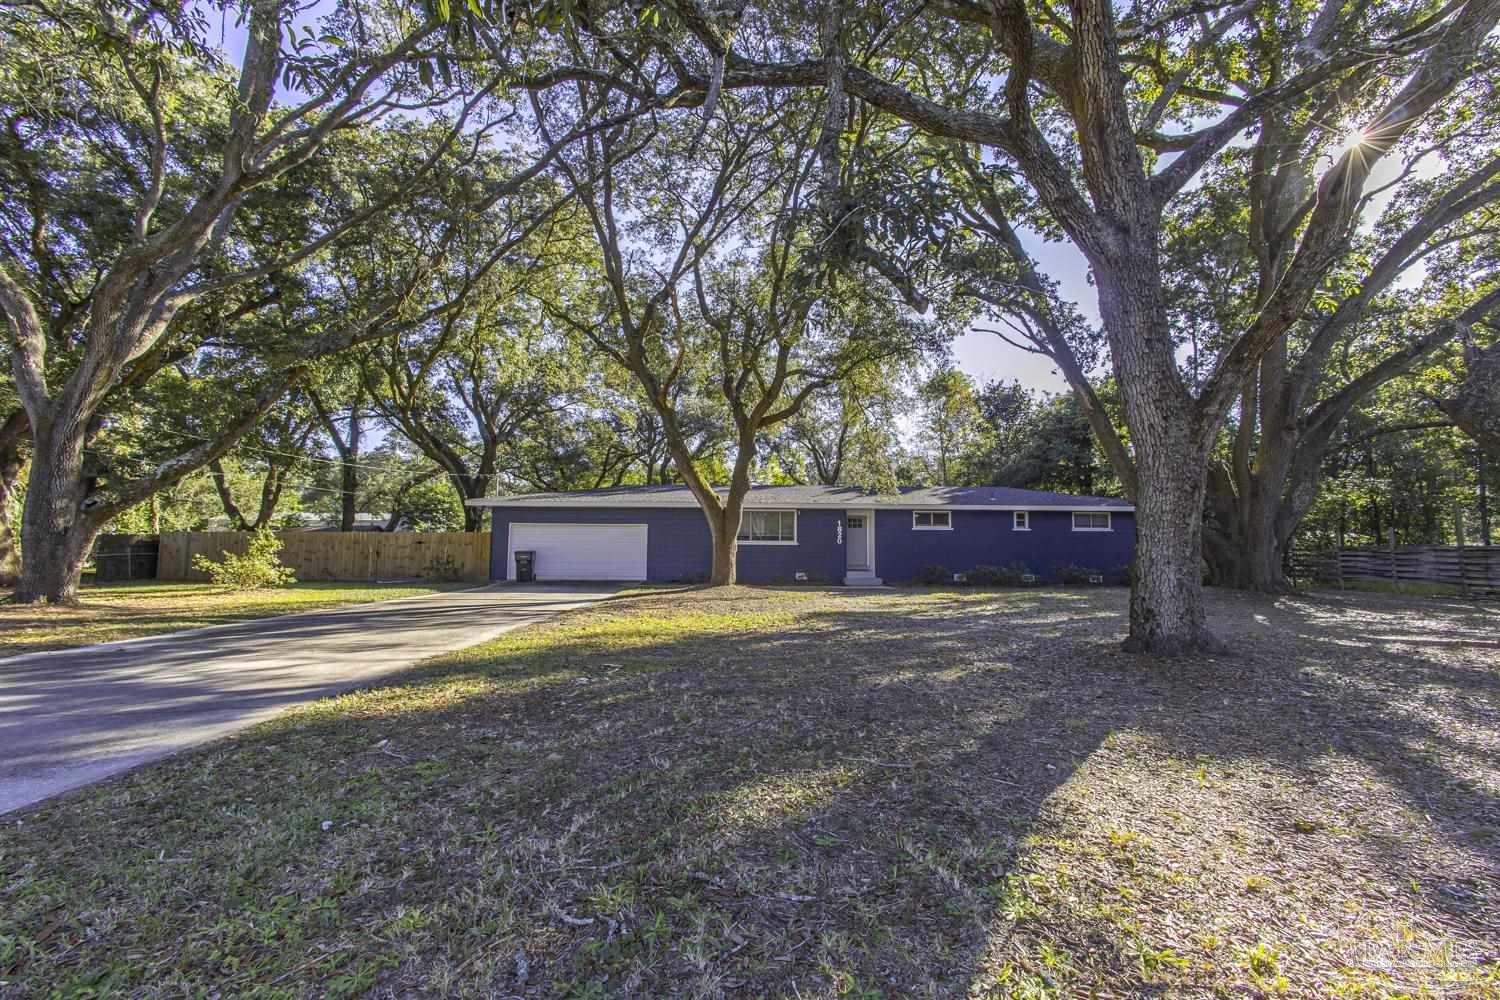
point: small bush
(260, 567)
(444, 569)
(933, 575)
(1009, 575)
(1070, 573)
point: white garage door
(581, 551)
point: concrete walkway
(72, 717)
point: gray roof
(975, 497)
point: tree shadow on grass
(700, 794)
(1402, 692)
(1316, 812)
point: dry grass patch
(806, 793)
(133, 610)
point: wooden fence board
(1473, 566)
(337, 556)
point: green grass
(758, 792)
(133, 610)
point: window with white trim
(1022, 520)
(769, 527)
(1091, 521)
(932, 520)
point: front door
(859, 541)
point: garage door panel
(581, 551)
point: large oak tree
(1107, 120)
(710, 241)
(135, 163)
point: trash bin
(525, 566)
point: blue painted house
(822, 534)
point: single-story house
(821, 534)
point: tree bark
(1484, 499)
(270, 496)
(349, 473)
(348, 449)
(725, 549)
(1475, 408)
(1167, 616)
(232, 510)
(56, 531)
(473, 516)
(13, 434)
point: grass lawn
(817, 794)
(132, 610)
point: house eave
(521, 503)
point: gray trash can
(525, 566)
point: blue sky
(984, 356)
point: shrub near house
(658, 533)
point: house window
(1090, 522)
(1023, 520)
(932, 520)
(769, 527)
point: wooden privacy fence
(336, 555)
(1473, 567)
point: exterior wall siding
(987, 538)
(678, 549)
(678, 545)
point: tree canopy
(389, 253)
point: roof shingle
(1002, 497)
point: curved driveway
(74, 716)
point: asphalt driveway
(72, 717)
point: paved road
(73, 717)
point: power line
(271, 451)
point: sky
(984, 357)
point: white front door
(858, 548)
(580, 551)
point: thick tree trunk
(1166, 597)
(1484, 500)
(348, 450)
(1265, 551)
(726, 552)
(12, 461)
(348, 495)
(349, 473)
(1475, 408)
(474, 517)
(10, 549)
(56, 532)
(1251, 556)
